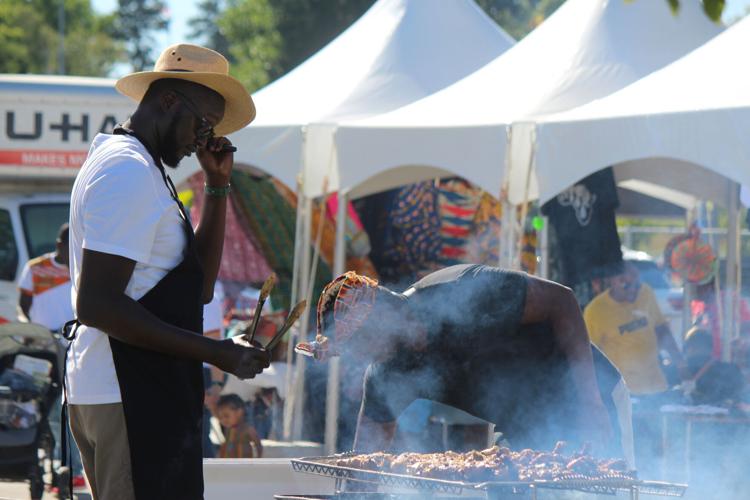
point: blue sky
(182, 10)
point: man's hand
(242, 359)
(216, 164)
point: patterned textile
(528, 251)
(357, 241)
(241, 261)
(406, 231)
(458, 202)
(263, 205)
(484, 247)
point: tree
(30, 41)
(205, 27)
(251, 27)
(519, 17)
(134, 24)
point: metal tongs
(290, 321)
(265, 291)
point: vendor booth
(669, 139)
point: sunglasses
(205, 130)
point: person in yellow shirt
(626, 324)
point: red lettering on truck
(43, 158)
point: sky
(180, 11)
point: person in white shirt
(44, 286)
(44, 299)
(141, 277)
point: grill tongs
(294, 315)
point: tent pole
(299, 377)
(296, 273)
(506, 220)
(729, 331)
(688, 290)
(334, 368)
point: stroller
(31, 364)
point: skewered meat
(493, 464)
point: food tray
(326, 466)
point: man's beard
(169, 147)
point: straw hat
(200, 65)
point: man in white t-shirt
(45, 286)
(141, 277)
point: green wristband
(217, 191)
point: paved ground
(19, 490)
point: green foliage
(206, 27)
(29, 38)
(713, 8)
(251, 26)
(519, 17)
(134, 24)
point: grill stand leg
(339, 485)
(533, 492)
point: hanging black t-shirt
(483, 361)
(583, 218)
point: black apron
(162, 395)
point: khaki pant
(102, 438)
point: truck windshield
(41, 222)
(8, 249)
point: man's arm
(103, 304)
(25, 299)
(555, 304)
(209, 236)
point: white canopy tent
(682, 127)
(695, 112)
(585, 50)
(398, 52)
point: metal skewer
(290, 321)
(265, 291)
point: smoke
(480, 361)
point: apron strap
(120, 130)
(68, 332)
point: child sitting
(242, 440)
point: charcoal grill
(440, 488)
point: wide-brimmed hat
(200, 65)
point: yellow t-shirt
(626, 333)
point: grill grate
(608, 485)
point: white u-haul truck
(46, 126)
